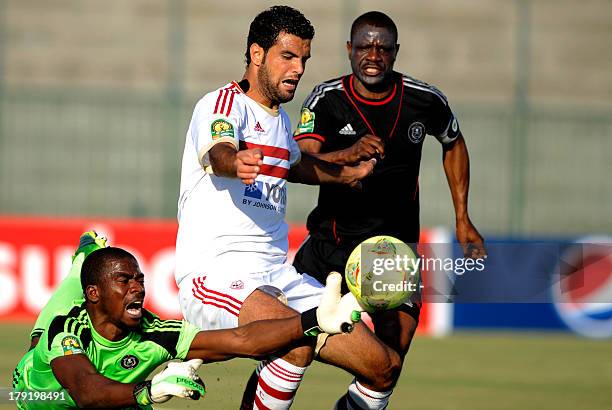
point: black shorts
(318, 258)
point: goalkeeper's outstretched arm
(87, 387)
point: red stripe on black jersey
(371, 102)
(311, 136)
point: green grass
(464, 371)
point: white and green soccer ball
(382, 272)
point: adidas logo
(347, 130)
(258, 127)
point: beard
(268, 88)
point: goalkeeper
(99, 352)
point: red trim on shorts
(205, 302)
(201, 283)
(204, 295)
(277, 394)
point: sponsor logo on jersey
(129, 362)
(347, 130)
(258, 127)
(237, 284)
(266, 195)
(254, 190)
(221, 129)
(455, 125)
(583, 295)
(416, 132)
(306, 124)
(71, 345)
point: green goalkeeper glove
(88, 242)
(178, 379)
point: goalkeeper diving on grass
(99, 351)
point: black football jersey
(337, 116)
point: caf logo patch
(306, 125)
(129, 362)
(71, 345)
(416, 132)
(221, 129)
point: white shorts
(213, 300)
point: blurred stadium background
(95, 99)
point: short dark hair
(268, 24)
(376, 19)
(96, 263)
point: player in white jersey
(231, 249)
(248, 233)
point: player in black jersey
(377, 112)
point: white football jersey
(223, 223)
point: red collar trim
(235, 84)
(371, 102)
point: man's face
(282, 67)
(372, 51)
(122, 292)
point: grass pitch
(463, 371)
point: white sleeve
(209, 128)
(295, 155)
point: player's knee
(385, 374)
(300, 356)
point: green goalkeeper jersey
(128, 360)
(68, 290)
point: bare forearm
(255, 339)
(89, 388)
(457, 168)
(268, 336)
(314, 171)
(104, 395)
(223, 160)
(341, 157)
(368, 146)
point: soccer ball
(382, 272)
